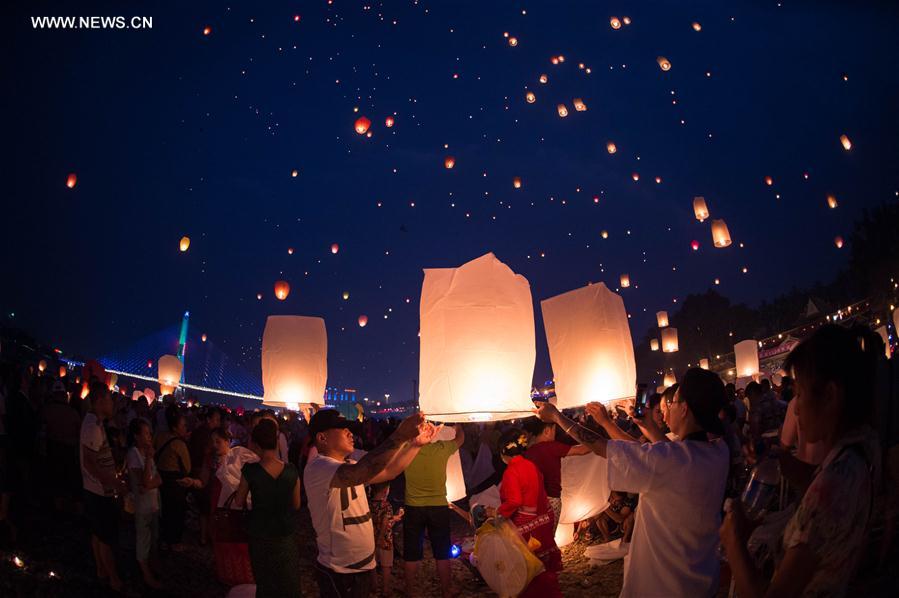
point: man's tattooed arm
(368, 466)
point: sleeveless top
(272, 512)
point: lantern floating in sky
(838, 241)
(579, 105)
(184, 243)
(625, 281)
(543, 78)
(590, 346)
(653, 344)
(700, 209)
(530, 97)
(658, 180)
(704, 363)
(664, 64)
(363, 320)
(203, 338)
(694, 245)
(477, 342)
(662, 318)
(335, 248)
(626, 20)
(449, 162)
(611, 147)
(42, 365)
(62, 371)
(635, 176)
(388, 122)
(294, 173)
(720, 234)
(516, 182)
(207, 30)
(697, 26)
(563, 111)
(71, 180)
(615, 22)
(362, 125)
(670, 379)
(669, 340)
(282, 290)
(294, 361)
(346, 295)
(746, 355)
(604, 234)
(513, 41)
(847, 145)
(290, 251)
(169, 370)
(259, 296)
(831, 201)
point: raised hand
(547, 412)
(410, 427)
(428, 433)
(598, 412)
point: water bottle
(762, 487)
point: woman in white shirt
(228, 463)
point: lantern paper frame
(294, 361)
(478, 344)
(700, 208)
(662, 319)
(669, 340)
(720, 234)
(746, 356)
(169, 369)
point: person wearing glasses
(681, 486)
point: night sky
(172, 132)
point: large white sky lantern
(746, 354)
(168, 368)
(294, 361)
(590, 346)
(669, 340)
(477, 342)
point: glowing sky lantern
(746, 354)
(653, 344)
(832, 201)
(530, 98)
(720, 234)
(700, 209)
(697, 26)
(346, 295)
(389, 122)
(611, 147)
(363, 320)
(362, 125)
(635, 176)
(42, 365)
(111, 381)
(579, 105)
(704, 363)
(694, 245)
(626, 20)
(662, 318)
(282, 290)
(669, 340)
(203, 338)
(838, 241)
(604, 234)
(259, 296)
(844, 140)
(71, 180)
(477, 342)
(670, 379)
(294, 361)
(513, 41)
(168, 371)
(585, 491)
(590, 346)
(664, 64)
(207, 30)
(449, 162)
(62, 371)
(294, 173)
(149, 363)
(769, 181)
(335, 248)
(615, 22)
(290, 251)
(516, 182)
(184, 243)
(624, 280)
(543, 78)
(563, 111)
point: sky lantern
(449, 162)
(769, 181)
(563, 111)
(832, 201)
(516, 182)
(149, 363)
(207, 30)
(847, 145)
(669, 340)
(590, 346)
(259, 296)
(635, 176)
(71, 180)
(513, 41)
(168, 369)
(697, 26)
(294, 173)
(700, 209)
(530, 97)
(389, 122)
(670, 379)
(604, 234)
(203, 338)
(477, 342)
(42, 365)
(290, 251)
(184, 243)
(625, 281)
(662, 318)
(664, 64)
(611, 147)
(543, 78)
(704, 363)
(579, 105)
(838, 241)
(615, 22)
(362, 125)
(346, 295)
(720, 234)
(294, 361)
(653, 344)
(62, 371)
(585, 493)
(335, 248)
(746, 354)
(363, 320)
(282, 290)
(111, 380)
(694, 245)
(626, 20)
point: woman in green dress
(275, 489)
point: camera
(641, 404)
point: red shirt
(547, 456)
(522, 487)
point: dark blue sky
(174, 133)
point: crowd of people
(681, 474)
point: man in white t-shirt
(335, 489)
(681, 485)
